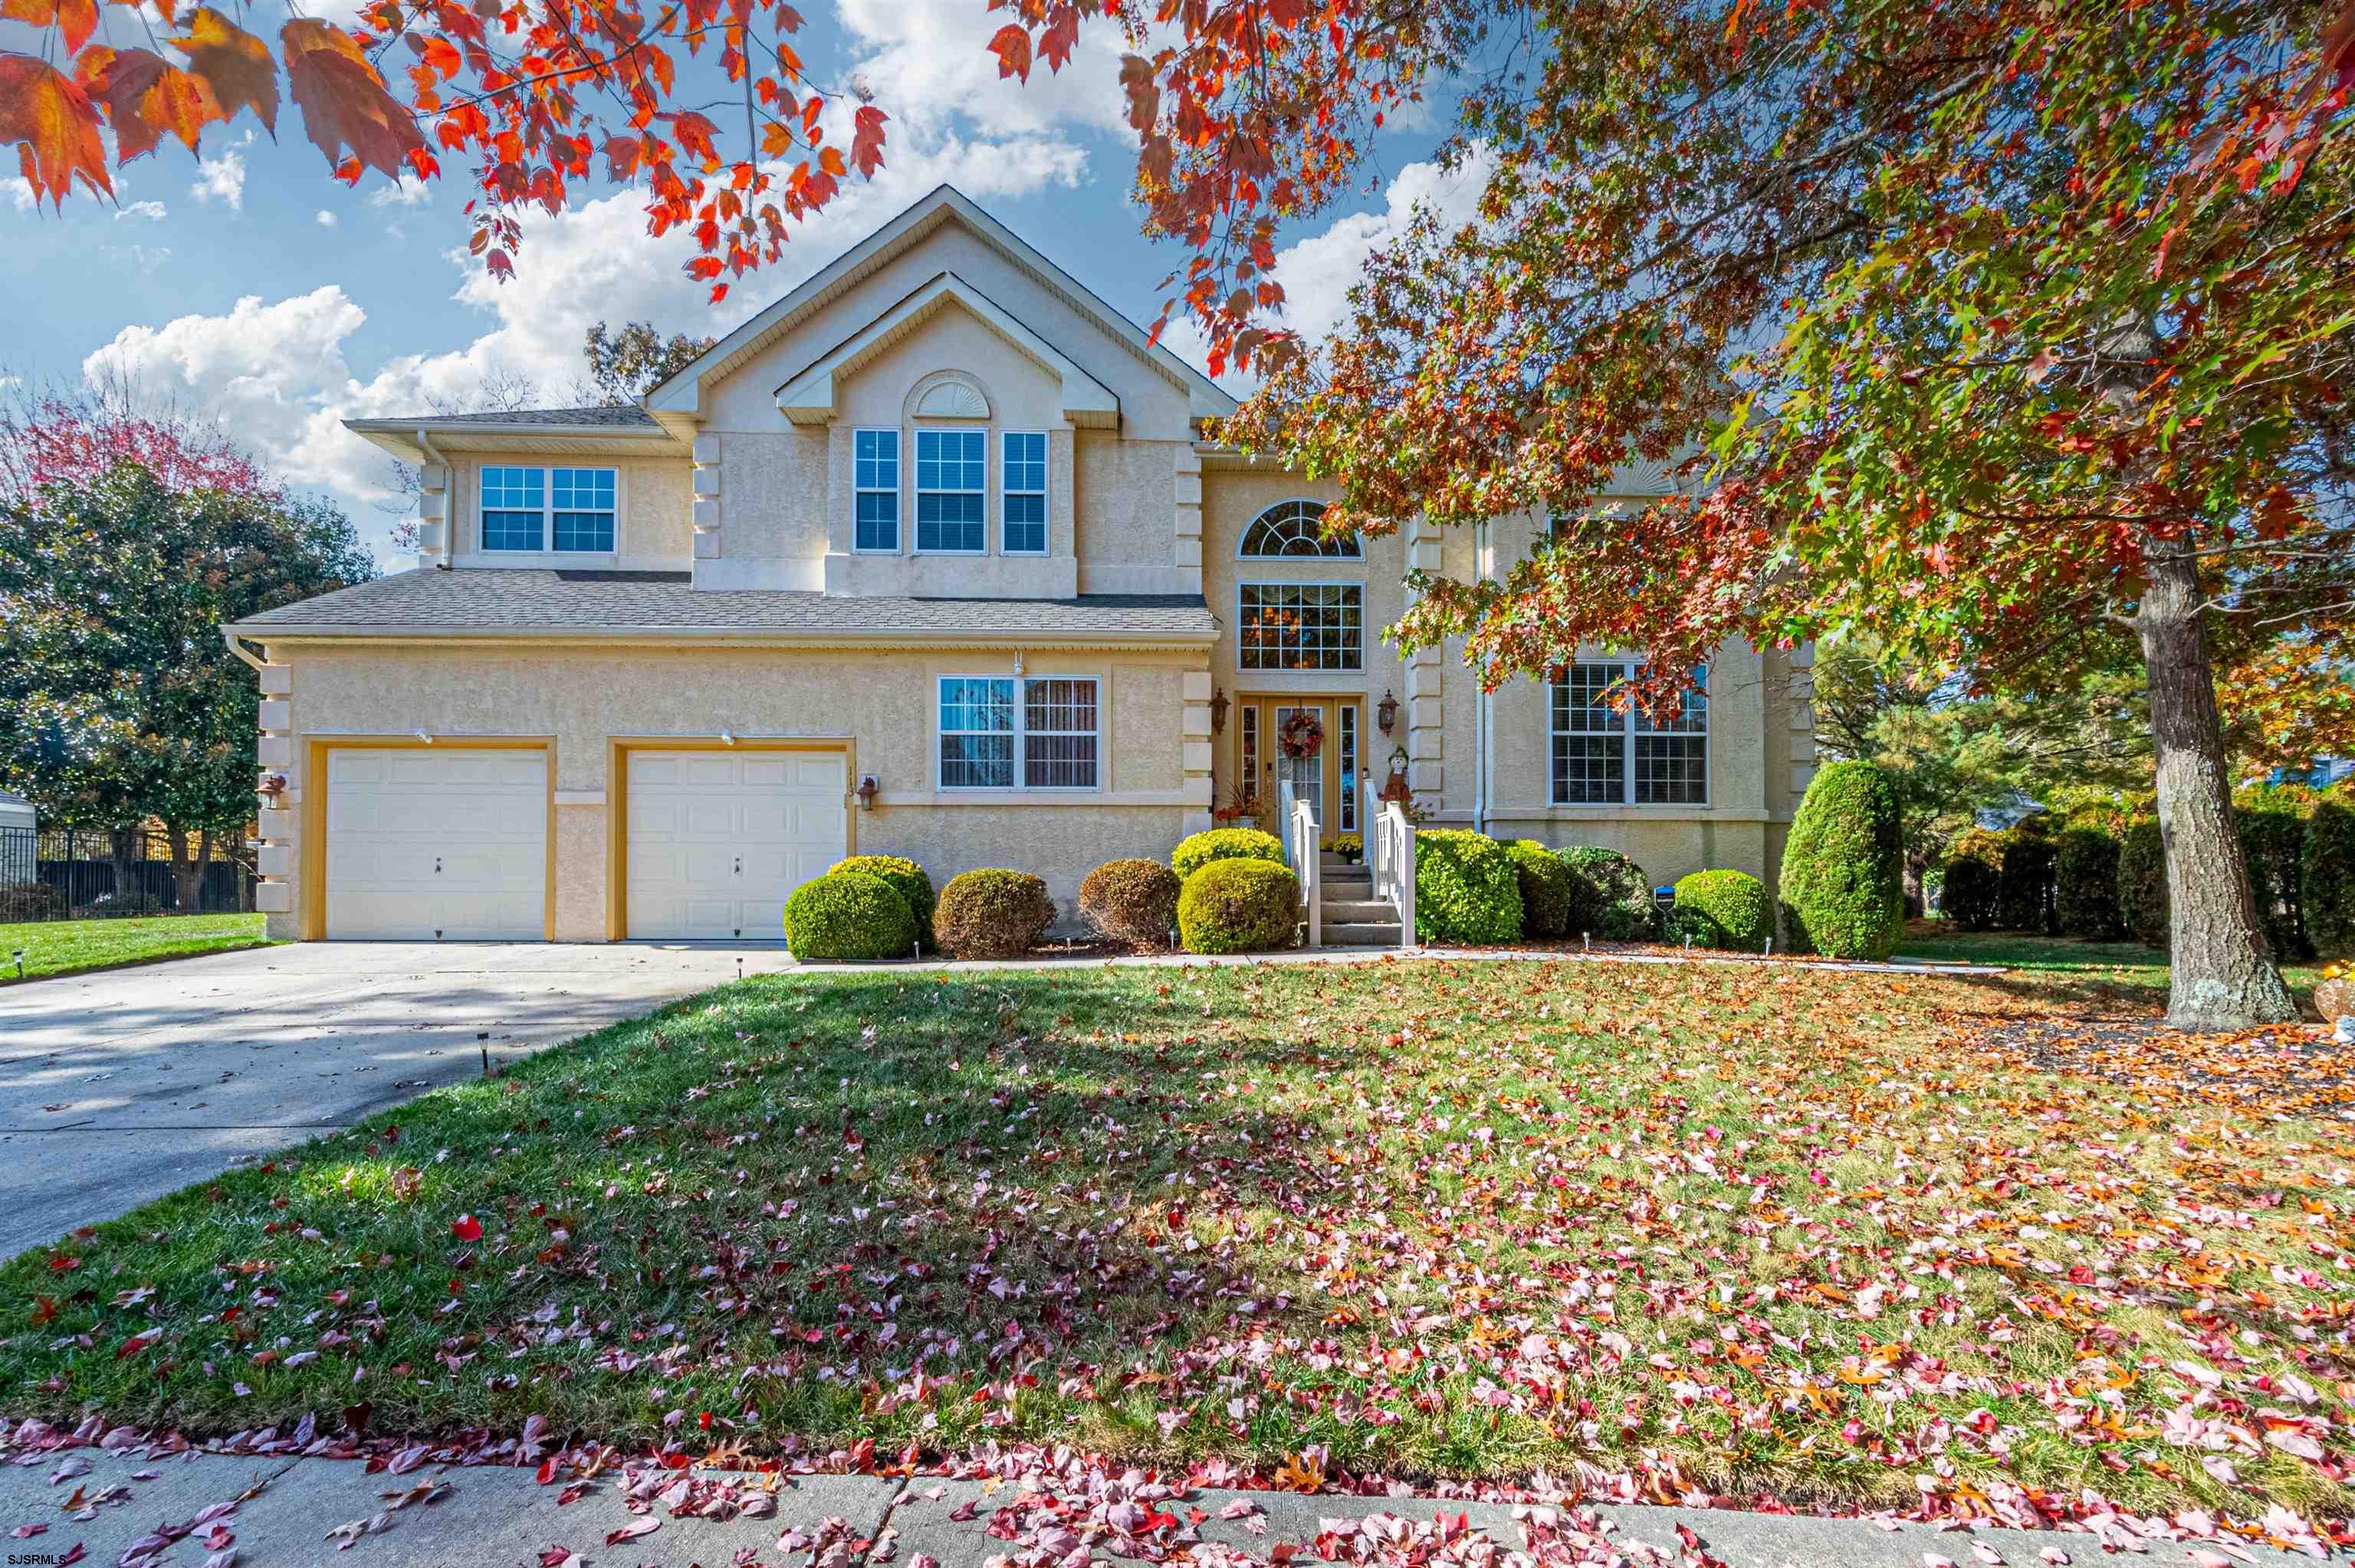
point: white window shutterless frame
(1022, 493)
(1005, 732)
(875, 488)
(527, 509)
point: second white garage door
(437, 843)
(719, 839)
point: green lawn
(1755, 1229)
(68, 947)
(2133, 972)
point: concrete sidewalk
(120, 1508)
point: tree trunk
(2223, 975)
(186, 875)
(123, 846)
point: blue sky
(251, 287)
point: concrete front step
(1360, 934)
(1357, 911)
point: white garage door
(431, 845)
(718, 839)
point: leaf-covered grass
(1756, 1230)
(71, 947)
(2138, 974)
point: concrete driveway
(118, 1087)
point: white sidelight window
(875, 484)
(572, 510)
(1023, 494)
(1001, 732)
(1604, 757)
(951, 491)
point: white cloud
(324, 219)
(410, 191)
(19, 192)
(928, 63)
(145, 258)
(221, 179)
(154, 211)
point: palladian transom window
(1292, 528)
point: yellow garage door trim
(315, 790)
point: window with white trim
(1293, 528)
(1302, 626)
(569, 510)
(1023, 494)
(1604, 757)
(875, 486)
(1001, 732)
(951, 491)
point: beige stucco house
(932, 557)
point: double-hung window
(1006, 733)
(1302, 626)
(1023, 492)
(1606, 758)
(951, 491)
(568, 510)
(875, 458)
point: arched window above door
(1290, 528)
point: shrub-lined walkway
(1746, 1229)
(75, 947)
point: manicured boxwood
(1466, 888)
(848, 915)
(1842, 888)
(2271, 822)
(2142, 884)
(1730, 907)
(904, 874)
(2023, 894)
(2085, 883)
(1132, 900)
(1974, 876)
(1610, 896)
(1239, 904)
(1546, 888)
(2327, 876)
(1194, 853)
(992, 913)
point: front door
(1310, 743)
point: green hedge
(1224, 843)
(1466, 888)
(2142, 884)
(906, 877)
(1973, 876)
(1725, 909)
(2327, 876)
(1545, 885)
(1843, 880)
(992, 913)
(2023, 894)
(2271, 822)
(1610, 896)
(848, 915)
(1239, 904)
(2085, 884)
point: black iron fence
(84, 873)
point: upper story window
(1002, 733)
(951, 491)
(875, 456)
(1604, 757)
(1291, 528)
(569, 510)
(1302, 626)
(1024, 494)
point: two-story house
(932, 557)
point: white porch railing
(1303, 847)
(1390, 858)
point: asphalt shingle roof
(494, 598)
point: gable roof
(676, 401)
(550, 429)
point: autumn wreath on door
(1301, 736)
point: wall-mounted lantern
(1218, 711)
(1386, 711)
(273, 785)
(867, 790)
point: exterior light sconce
(1386, 711)
(1218, 711)
(867, 790)
(727, 738)
(423, 739)
(273, 785)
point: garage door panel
(718, 840)
(423, 842)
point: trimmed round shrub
(1974, 875)
(1610, 896)
(907, 877)
(2325, 876)
(848, 915)
(2271, 822)
(2142, 884)
(1842, 887)
(1466, 888)
(2023, 894)
(1545, 885)
(1200, 850)
(31, 901)
(1239, 904)
(1132, 900)
(1730, 906)
(992, 914)
(2085, 883)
